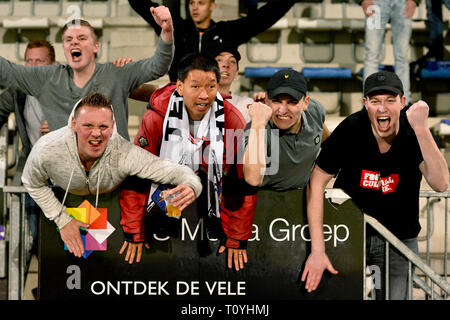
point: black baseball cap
(287, 81)
(383, 81)
(217, 48)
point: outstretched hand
(134, 250)
(236, 256)
(314, 267)
(70, 234)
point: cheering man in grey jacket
(88, 156)
(58, 87)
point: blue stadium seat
(260, 72)
(381, 67)
(436, 70)
(338, 74)
(323, 73)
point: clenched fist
(163, 18)
(418, 115)
(260, 113)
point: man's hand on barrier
(236, 256)
(134, 250)
(314, 267)
(70, 234)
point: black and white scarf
(179, 145)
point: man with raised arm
(58, 87)
(379, 155)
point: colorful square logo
(95, 237)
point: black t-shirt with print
(385, 186)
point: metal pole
(14, 271)
(364, 261)
(387, 271)
(432, 290)
(410, 280)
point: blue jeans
(436, 27)
(388, 11)
(398, 266)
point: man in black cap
(379, 155)
(284, 136)
(291, 121)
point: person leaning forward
(379, 155)
(189, 122)
(94, 152)
(283, 138)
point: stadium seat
(337, 74)
(260, 72)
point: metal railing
(432, 278)
(18, 238)
(19, 244)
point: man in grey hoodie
(99, 159)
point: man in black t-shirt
(379, 155)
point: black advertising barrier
(182, 269)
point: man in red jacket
(190, 123)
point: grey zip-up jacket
(55, 157)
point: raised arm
(318, 260)
(149, 69)
(433, 167)
(244, 29)
(28, 79)
(144, 91)
(142, 7)
(255, 150)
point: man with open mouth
(379, 155)
(58, 87)
(189, 122)
(284, 136)
(87, 157)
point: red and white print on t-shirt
(372, 180)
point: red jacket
(238, 200)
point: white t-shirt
(240, 103)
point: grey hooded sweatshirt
(55, 157)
